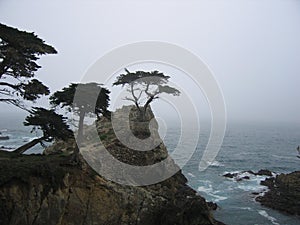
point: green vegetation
(91, 99)
(145, 85)
(52, 125)
(19, 51)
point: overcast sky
(251, 46)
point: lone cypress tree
(145, 85)
(19, 51)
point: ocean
(245, 147)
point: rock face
(48, 190)
(283, 194)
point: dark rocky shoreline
(283, 193)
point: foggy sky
(252, 46)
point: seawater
(12, 126)
(245, 147)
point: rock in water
(284, 193)
(264, 172)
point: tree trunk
(80, 128)
(28, 145)
(75, 156)
(145, 107)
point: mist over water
(12, 120)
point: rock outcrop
(245, 175)
(283, 193)
(49, 190)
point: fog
(251, 46)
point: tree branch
(135, 98)
(14, 86)
(129, 99)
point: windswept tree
(19, 51)
(52, 125)
(89, 99)
(145, 87)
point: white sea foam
(212, 193)
(270, 218)
(235, 171)
(191, 175)
(206, 190)
(246, 208)
(251, 184)
(28, 139)
(216, 164)
(218, 198)
(284, 157)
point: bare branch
(129, 99)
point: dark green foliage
(129, 78)
(52, 125)
(89, 98)
(19, 51)
(83, 99)
(32, 89)
(20, 168)
(145, 84)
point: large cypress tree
(84, 100)
(52, 125)
(19, 51)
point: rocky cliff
(283, 193)
(48, 189)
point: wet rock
(250, 172)
(212, 205)
(264, 172)
(283, 193)
(230, 175)
(236, 176)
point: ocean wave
(28, 139)
(250, 184)
(270, 218)
(284, 157)
(208, 190)
(246, 208)
(216, 164)
(218, 198)
(191, 175)
(204, 189)
(251, 187)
